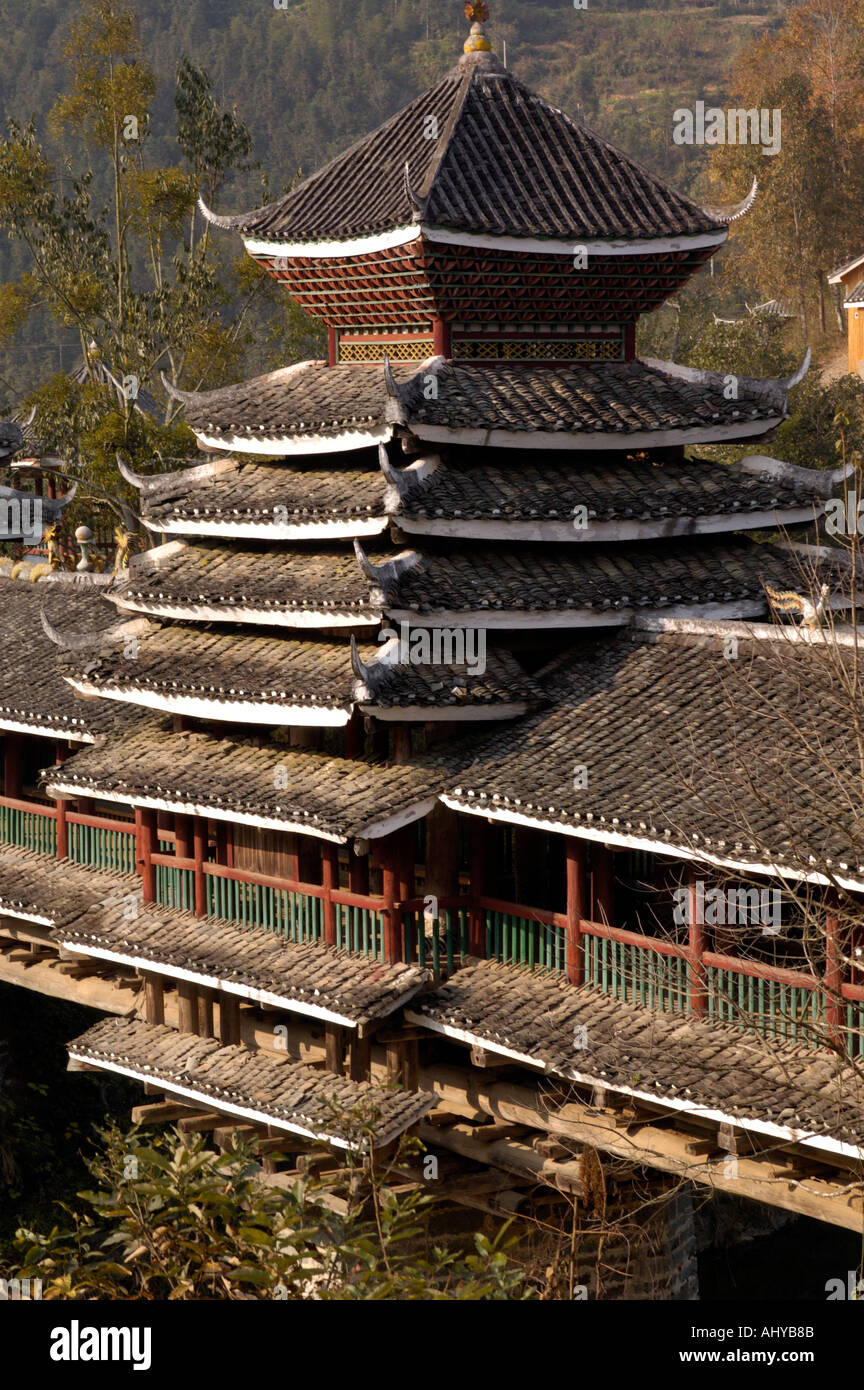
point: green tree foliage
(175, 1220)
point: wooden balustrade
(689, 979)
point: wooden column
(577, 905)
(183, 834)
(200, 845)
(330, 880)
(355, 736)
(229, 1019)
(400, 743)
(145, 846)
(222, 843)
(480, 838)
(205, 1013)
(187, 999)
(602, 873)
(61, 754)
(334, 1048)
(698, 944)
(332, 346)
(405, 863)
(359, 1056)
(833, 976)
(390, 891)
(154, 999)
(441, 337)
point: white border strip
(551, 246)
(224, 708)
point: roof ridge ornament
(732, 214)
(477, 12)
(771, 389)
(225, 223)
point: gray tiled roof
(206, 579)
(56, 890)
(225, 669)
(532, 487)
(308, 978)
(684, 748)
(505, 163)
(618, 398)
(337, 797)
(33, 693)
(281, 582)
(700, 1066)
(288, 1095)
(242, 492)
(458, 576)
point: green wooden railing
(294, 916)
(175, 887)
(854, 1020)
(437, 942)
(637, 974)
(28, 829)
(359, 930)
(768, 1007)
(100, 847)
(515, 939)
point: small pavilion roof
(787, 1091)
(257, 782)
(312, 408)
(243, 676)
(253, 1085)
(504, 163)
(268, 501)
(642, 495)
(450, 581)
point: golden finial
(477, 11)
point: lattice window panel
(490, 350)
(415, 351)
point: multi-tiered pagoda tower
(410, 560)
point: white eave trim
(201, 978)
(270, 530)
(262, 617)
(550, 246)
(705, 1112)
(521, 620)
(74, 734)
(653, 528)
(20, 914)
(208, 1102)
(229, 710)
(839, 276)
(591, 439)
(605, 833)
(299, 444)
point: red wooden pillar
(183, 836)
(697, 943)
(441, 337)
(576, 908)
(479, 855)
(603, 875)
(833, 976)
(200, 845)
(145, 847)
(390, 889)
(222, 843)
(332, 347)
(330, 880)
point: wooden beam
(330, 880)
(200, 845)
(359, 1056)
(146, 841)
(577, 909)
(165, 1112)
(154, 999)
(187, 1001)
(229, 1019)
